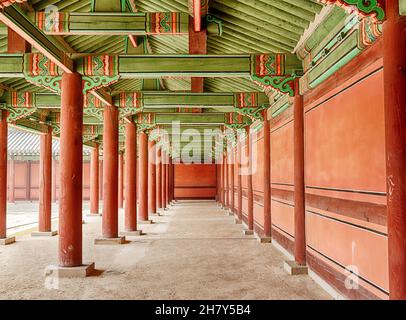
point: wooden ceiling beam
(14, 18)
(155, 100)
(115, 23)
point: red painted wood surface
(130, 210)
(120, 180)
(110, 172)
(152, 203)
(16, 44)
(94, 180)
(45, 182)
(159, 178)
(3, 172)
(395, 125)
(71, 157)
(143, 177)
(299, 191)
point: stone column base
(131, 233)
(146, 222)
(6, 241)
(264, 239)
(237, 221)
(293, 268)
(248, 232)
(69, 272)
(44, 233)
(108, 241)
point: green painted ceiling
(249, 26)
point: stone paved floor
(192, 251)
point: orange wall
(26, 180)
(345, 179)
(194, 181)
(346, 227)
(282, 207)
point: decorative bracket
(145, 121)
(21, 105)
(236, 121)
(93, 106)
(90, 132)
(268, 71)
(42, 72)
(212, 20)
(130, 103)
(364, 8)
(247, 104)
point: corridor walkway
(192, 251)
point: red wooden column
(130, 209)
(394, 60)
(300, 239)
(222, 202)
(143, 176)
(16, 44)
(226, 182)
(170, 180)
(101, 179)
(231, 168)
(110, 178)
(152, 177)
(167, 181)
(239, 181)
(71, 167)
(45, 186)
(250, 191)
(3, 178)
(217, 181)
(158, 177)
(120, 180)
(11, 182)
(266, 237)
(94, 181)
(163, 185)
(54, 180)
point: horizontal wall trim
(283, 184)
(195, 187)
(283, 202)
(283, 231)
(374, 193)
(281, 126)
(353, 209)
(348, 223)
(344, 268)
(344, 89)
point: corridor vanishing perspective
(203, 149)
(192, 251)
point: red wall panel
(194, 181)
(345, 139)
